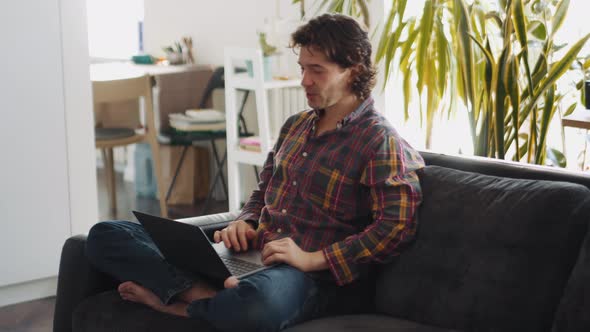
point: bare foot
(199, 290)
(202, 290)
(231, 282)
(133, 292)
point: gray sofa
(500, 247)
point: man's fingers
(241, 230)
(266, 250)
(233, 237)
(270, 249)
(274, 258)
(217, 236)
(250, 234)
(225, 238)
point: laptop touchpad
(252, 256)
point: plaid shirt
(351, 192)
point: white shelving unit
(235, 57)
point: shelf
(244, 82)
(238, 80)
(248, 157)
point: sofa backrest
(505, 168)
(492, 253)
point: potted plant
(268, 52)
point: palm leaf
(463, 30)
(385, 36)
(426, 24)
(559, 16)
(514, 92)
(442, 47)
(546, 116)
(407, 88)
(570, 109)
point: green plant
(355, 8)
(499, 63)
(267, 49)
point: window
(114, 28)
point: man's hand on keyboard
(287, 251)
(236, 235)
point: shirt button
(284, 211)
(279, 230)
(304, 154)
(294, 183)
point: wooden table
(579, 119)
(120, 70)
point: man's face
(325, 82)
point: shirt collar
(365, 106)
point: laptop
(188, 248)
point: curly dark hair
(345, 42)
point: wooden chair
(116, 91)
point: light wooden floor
(33, 316)
(37, 316)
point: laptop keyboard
(238, 267)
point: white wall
(47, 179)
(212, 24)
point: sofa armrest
(78, 280)
(210, 223)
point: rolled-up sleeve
(395, 195)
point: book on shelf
(184, 126)
(251, 143)
(198, 120)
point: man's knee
(100, 237)
(247, 306)
(259, 310)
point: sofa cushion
(363, 323)
(573, 313)
(107, 312)
(492, 253)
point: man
(338, 191)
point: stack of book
(251, 143)
(198, 120)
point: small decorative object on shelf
(268, 52)
(188, 44)
(174, 54)
(267, 49)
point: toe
(231, 282)
(126, 286)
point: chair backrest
(126, 93)
(121, 89)
(180, 91)
(217, 81)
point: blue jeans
(270, 300)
